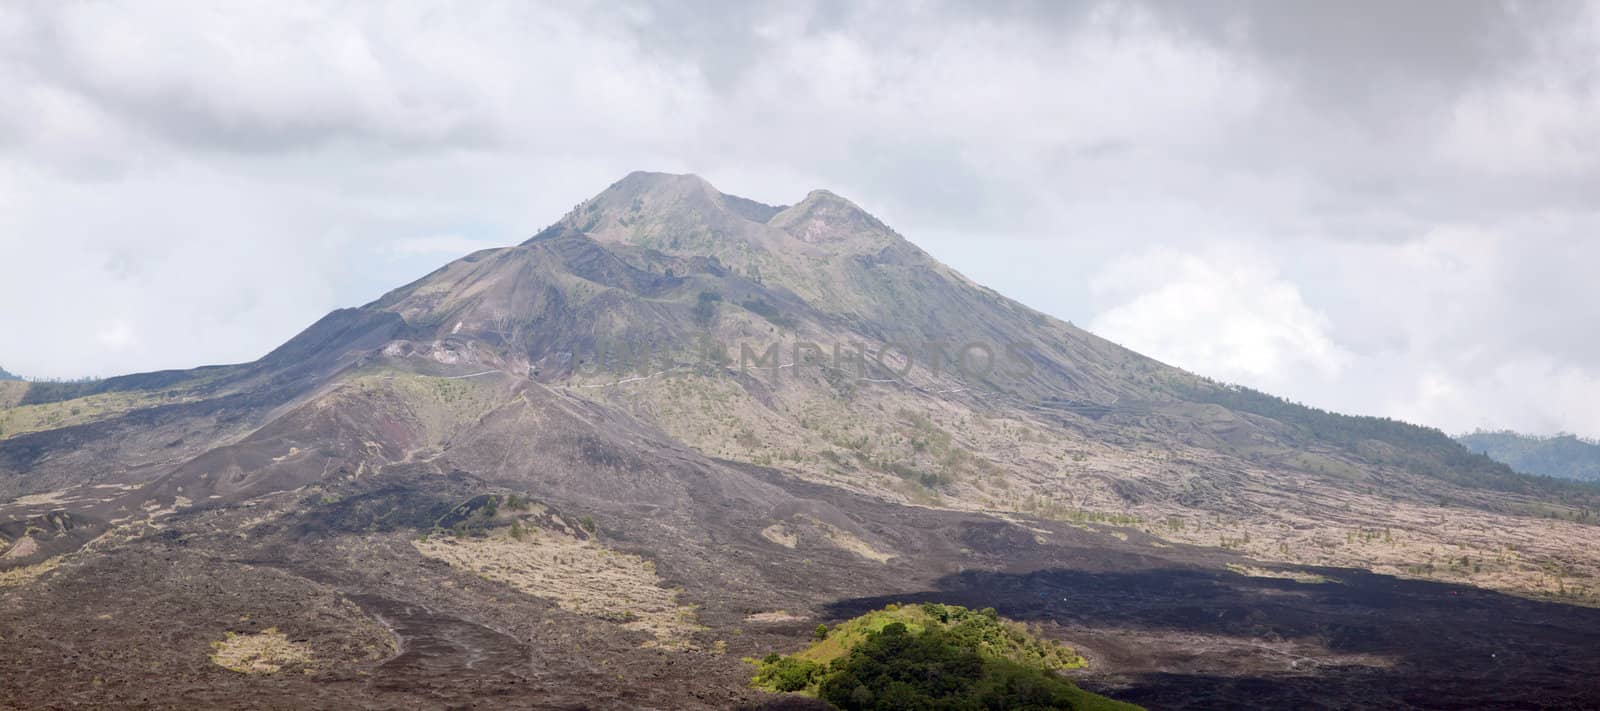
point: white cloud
(1532, 394)
(1228, 315)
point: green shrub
(932, 656)
(787, 673)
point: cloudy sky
(1373, 208)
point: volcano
(679, 428)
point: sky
(1373, 207)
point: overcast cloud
(1377, 209)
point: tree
(821, 632)
(787, 673)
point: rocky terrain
(679, 428)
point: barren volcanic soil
(1167, 626)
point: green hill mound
(933, 657)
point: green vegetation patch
(935, 657)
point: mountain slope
(844, 262)
(678, 427)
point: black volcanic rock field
(545, 476)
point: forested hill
(1565, 456)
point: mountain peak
(641, 191)
(647, 180)
(822, 194)
(658, 209)
(825, 217)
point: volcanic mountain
(679, 427)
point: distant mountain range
(7, 375)
(1565, 456)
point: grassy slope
(18, 418)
